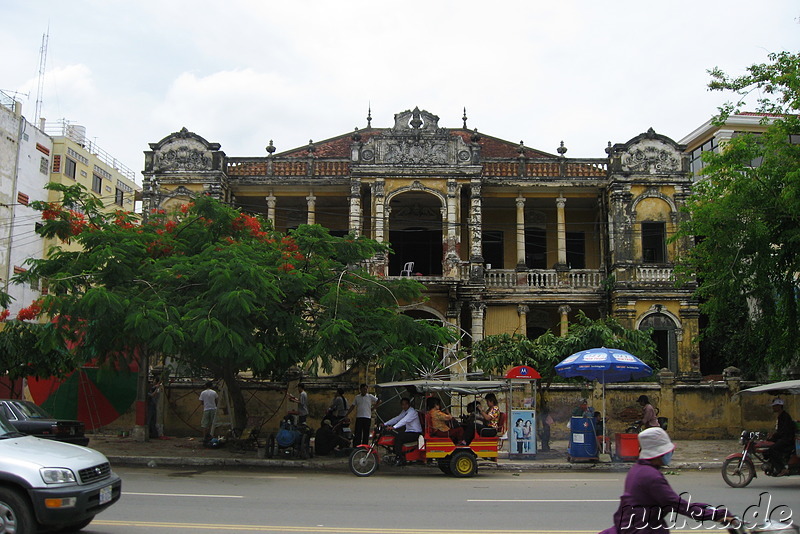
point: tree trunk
(239, 414)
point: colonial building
(506, 238)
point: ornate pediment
(417, 139)
(651, 159)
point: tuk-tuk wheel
(463, 464)
(444, 465)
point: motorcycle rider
(648, 499)
(783, 439)
(406, 426)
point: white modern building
(25, 157)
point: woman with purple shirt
(648, 500)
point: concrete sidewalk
(185, 452)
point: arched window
(666, 339)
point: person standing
(782, 438)
(208, 400)
(338, 408)
(363, 403)
(153, 400)
(302, 404)
(649, 419)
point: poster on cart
(522, 434)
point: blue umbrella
(604, 365)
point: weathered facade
(506, 238)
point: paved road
(411, 500)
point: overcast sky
(242, 72)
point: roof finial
(562, 149)
(270, 147)
(311, 148)
(369, 115)
(464, 118)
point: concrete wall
(695, 411)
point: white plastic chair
(408, 268)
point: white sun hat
(654, 442)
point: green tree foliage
(497, 353)
(221, 291)
(745, 215)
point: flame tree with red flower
(221, 291)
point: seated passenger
(490, 417)
(406, 426)
(440, 421)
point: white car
(46, 484)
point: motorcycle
(739, 469)
(364, 459)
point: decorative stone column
(452, 237)
(562, 233)
(312, 203)
(522, 311)
(381, 265)
(271, 201)
(478, 309)
(564, 311)
(476, 230)
(354, 224)
(380, 197)
(521, 233)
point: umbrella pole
(602, 417)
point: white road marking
(542, 500)
(183, 495)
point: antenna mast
(42, 62)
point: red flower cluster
(31, 312)
(77, 222)
(249, 224)
(4, 315)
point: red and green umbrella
(95, 396)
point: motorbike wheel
(444, 465)
(463, 464)
(363, 463)
(737, 477)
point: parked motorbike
(739, 469)
(293, 440)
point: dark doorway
(493, 248)
(418, 245)
(535, 248)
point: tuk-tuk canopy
(464, 387)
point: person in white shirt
(302, 404)
(363, 404)
(406, 426)
(208, 399)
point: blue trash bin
(582, 439)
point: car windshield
(30, 410)
(6, 429)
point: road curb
(336, 464)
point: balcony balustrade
(655, 274)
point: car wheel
(75, 527)
(463, 464)
(15, 512)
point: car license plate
(105, 495)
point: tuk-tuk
(458, 460)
